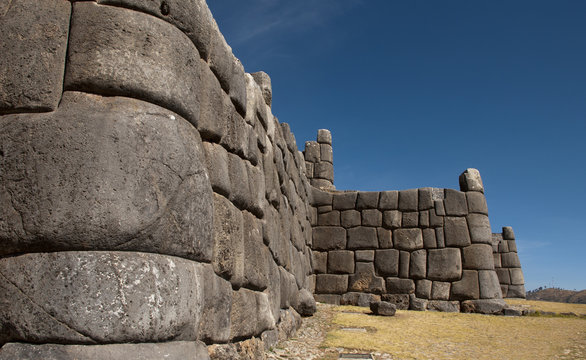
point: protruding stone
(305, 303)
(383, 308)
(408, 239)
(387, 262)
(444, 264)
(33, 47)
(508, 233)
(470, 180)
(324, 136)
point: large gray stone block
(228, 246)
(306, 305)
(516, 291)
(312, 152)
(33, 47)
(115, 51)
(418, 265)
(214, 325)
(99, 297)
(408, 200)
(345, 200)
(392, 219)
(383, 308)
(408, 239)
(326, 153)
(367, 200)
(214, 106)
(106, 173)
(319, 262)
(456, 232)
(329, 238)
(425, 199)
(385, 238)
(365, 280)
(341, 262)
(479, 227)
(358, 299)
(504, 276)
(175, 350)
(466, 288)
(429, 241)
(331, 284)
(256, 254)
(387, 262)
(517, 277)
(250, 314)
(478, 257)
(362, 238)
(320, 198)
(350, 218)
(410, 220)
(510, 260)
(444, 264)
(264, 82)
(489, 285)
(404, 257)
(508, 233)
(389, 200)
(470, 180)
(440, 290)
(455, 203)
(423, 288)
(477, 202)
(372, 217)
(324, 136)
(217, 166)
(331, 218)
(364, 255)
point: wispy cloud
(269, 17)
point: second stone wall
(422, 249)
(507, 264)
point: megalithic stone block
(444, 264)
(467, 288)
(264, 81)
(365, 280)
(33, 47)
(175, 350)
(470, 180)
(116, 51)
(508, 233)
(106, 173)
(99, 297)
(489, 285)
(324, 136)
(478, 257)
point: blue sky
(414, 92)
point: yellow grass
(434, 335)
(559, 308)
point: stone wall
(507, 264)
(148, 194)
(421, 249)
(319, 161)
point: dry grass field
(434, 335)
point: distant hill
(558, 295)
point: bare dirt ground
(336, 330)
